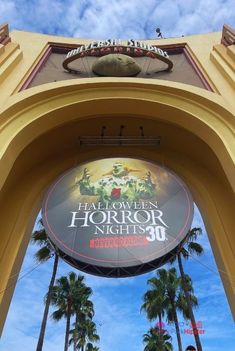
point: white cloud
(118, 18)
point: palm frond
(173, 258)
(57, 315)
(184, 253)
(39, 237)
(194, 233)
(195, 248)
(43, 254)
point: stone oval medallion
(116, 65)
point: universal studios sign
(133, 48)
(117, 217)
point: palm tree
(69, 295)
(189, 247)
(45, 252)
(83, 334)
(174, 300)
(181, 300)
(171, 284)
(82, 311)
(157, 339)
(91, 347)
(153, 302)
(165, 297)
(74, 337)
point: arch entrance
(40, 133)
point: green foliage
(165, 297)
(188, 301)
(71, 291)
(84, 333)
(153, 300)
(157, 340)
(39, 238)
(70, 296)
(190, 246)
(45, 252)
(91, 347)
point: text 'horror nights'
(117, 217)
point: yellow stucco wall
(40, 127)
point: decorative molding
(36, 68)
(223, 55)
(228, 36)
(65, 48)
(10, 56)
(198, 70)
(10, 53)
(4, 34)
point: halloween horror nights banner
(117, 216)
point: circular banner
(117, 217)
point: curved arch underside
(39, 140)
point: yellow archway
(39, 131)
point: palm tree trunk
(47, 305)
(160, 322)
(75, 340)
(66, 340)
(177, 329)
(160, 327)
(191, 314)
(74, 345)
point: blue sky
(117, 304)
(117, 18)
